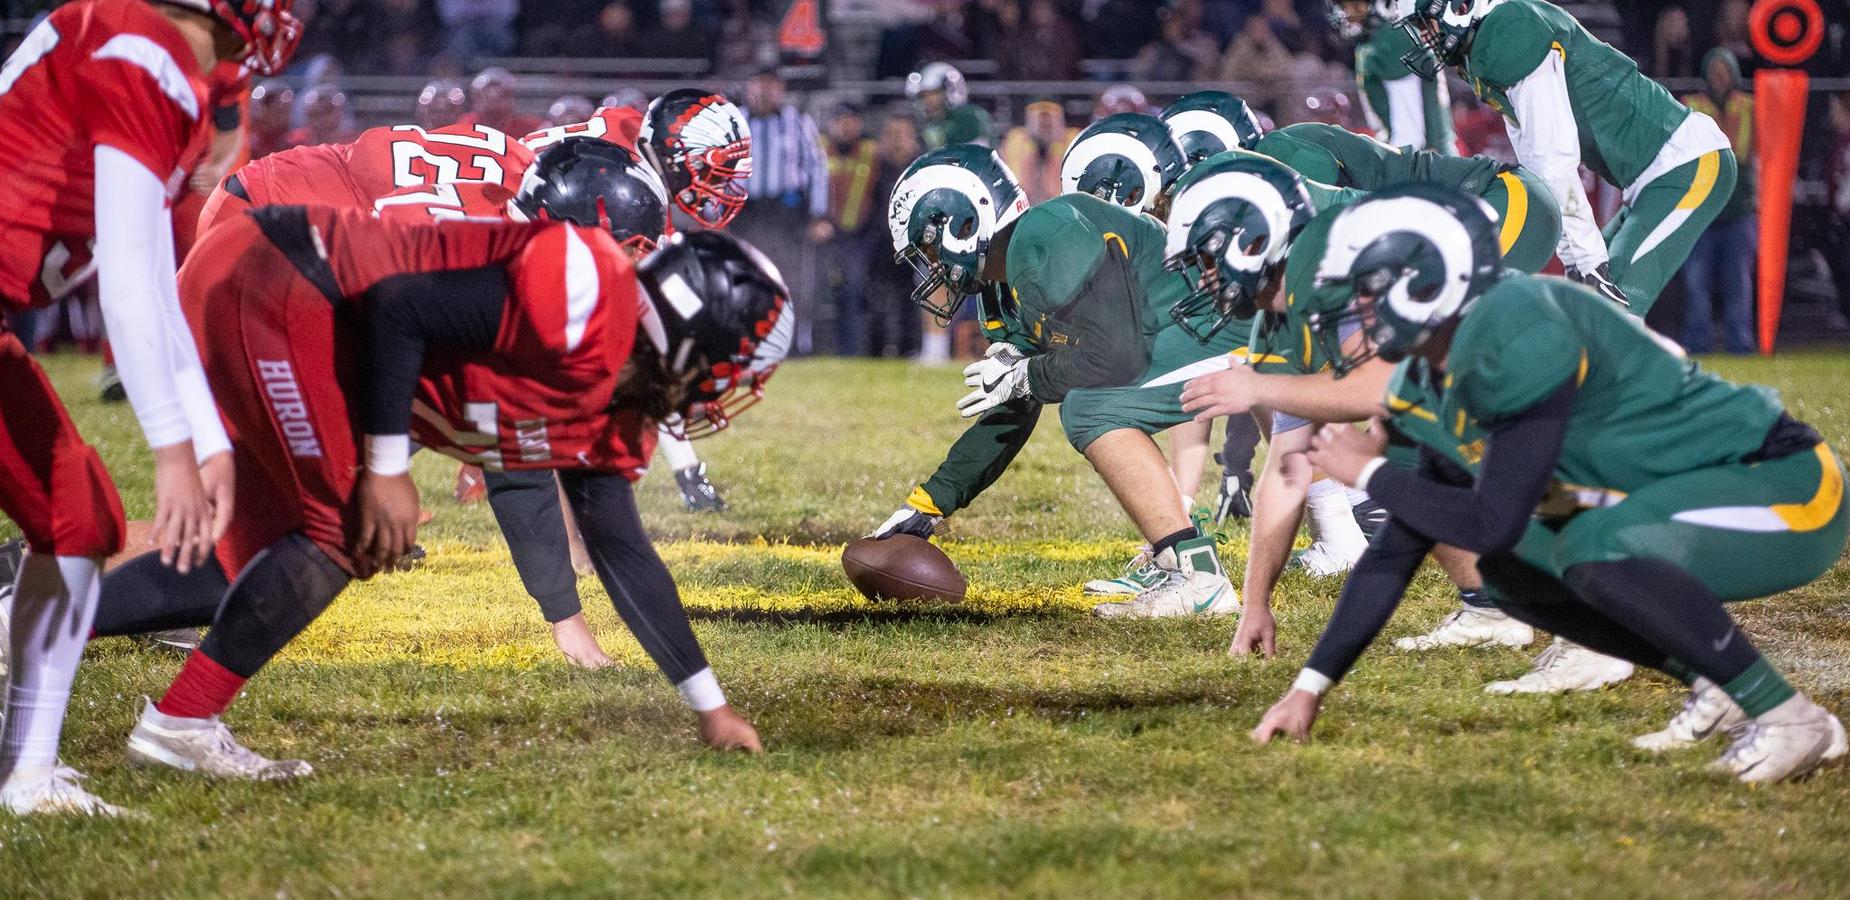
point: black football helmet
(587, 181)
(701, 145)
(723, 322)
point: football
(902, 567)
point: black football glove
(1600, 280)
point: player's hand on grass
(907, 520)
(722, 729)
(388, 518)
(1291, 716)
(1228, 393)
(1343, 451)
(185, 523)
(1257, 631)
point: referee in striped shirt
(787, 213)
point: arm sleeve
(141, 307)
(1406, 111)
(1547, 142)
(1107, 346)
(632, 573)
(409, 314)
(1370, 596)
(1520, 455)
(981, 454)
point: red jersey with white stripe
(542, 397)
(438, 202)
(115, 73)
(619, 125)
(383, 160)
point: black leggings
(526, 505)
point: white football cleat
(1566, 666)
(1471, 626)
(1707, 712)
(205, 746)
(1140, 575)
(1787, 742)
(46, 790)
(1193, 585)
(1180, 595)
(1323, 559)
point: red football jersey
(114, 73)
(464, 200)
(619, 125)
(541, 398)
(382, 160)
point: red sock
(203, 688)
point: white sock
(1331, 520)
(935, 346)
(54, 602)
(679, 450)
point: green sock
(1676, 669)
(1758, 689)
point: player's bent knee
(87, 518)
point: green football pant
(1651, 236)
(1528, 219)
(1152, 405)
(1743, 530)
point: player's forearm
(1369, 597)
(404, 317)
(154, 348)
(980, 455)
(1406, 111)
(1546, 137)
(1278, 506)
(1323, 397)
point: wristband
(1368, 471)
(1313, 681)
(388, 454)
(701, 691)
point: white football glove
(908, 521)
(999, 377)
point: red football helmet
(702, 146)
(269, 28)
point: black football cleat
(697, 492)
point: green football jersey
(1624, 117)
(1342, 158)
(966, 124)
(1421, 408)
(1377, 62)
(1283, 343)
(1643, 412)
(1056, 246)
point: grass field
(1012, 747)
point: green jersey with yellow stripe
(1625, 118)
(1378, 62)
(1643, 412)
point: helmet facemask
(1441, 31)
(945, 210)
(1230, 235)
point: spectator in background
(338, 28)
(1731, 29)
(1671, 52)
(1120, 98)
(271, 112)
(677, 36)
(324, 118)
(894, 323)
(1039, 43)
(1837, 168)
(1324, 105)
(1722, 262)
(1117, 29)
(570, 109)
(853, 162)
(1258, 60)
(943, 104)
(441, 103)
(1033, 150)
(401, 38)
(614, 35)
(787, 213)
(1182, 51)
(491, 102)
(478, 27)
